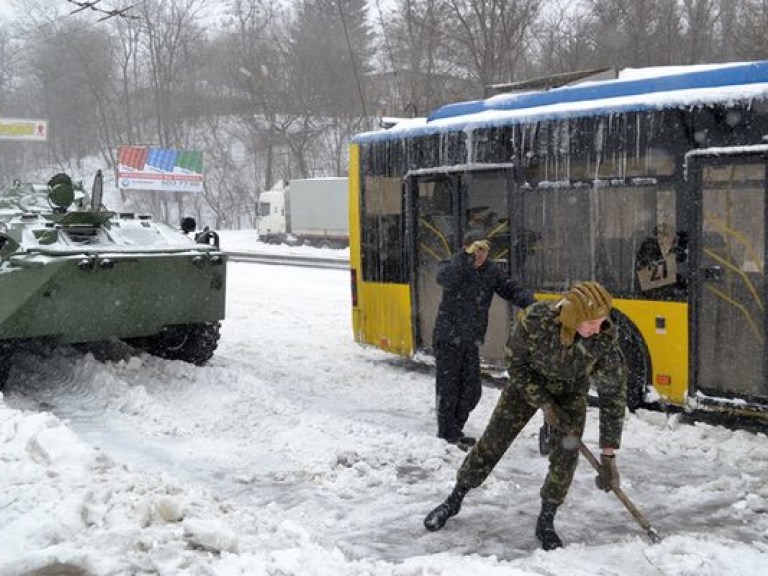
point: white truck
(313, 212)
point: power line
(110, 12)
(389, 53)
(352, 58)
(59, 34)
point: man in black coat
(469, 281)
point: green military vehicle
(73, 272)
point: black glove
(609, 474)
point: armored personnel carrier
(73, 272)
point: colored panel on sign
(191, 160)
(133, 156)
(162, 159)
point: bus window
(486, 209)
(383, 248)
(485, 203)
(738, 223)
(435, 240)
(644, 249)
(731, 250)
(560, 217)
(435, 229)
(594, 232)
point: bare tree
(416, 58)
(750, 41)
(331, 50)
(69, 65)
(488, 38)
(172, 31)
(173, 39)
(636, 32)
(727, 27)
(257, 72)
(329, 57)
(564, 41)
(9, 154)
(700, 17)
(6, 62)
(130, 63)
(229, 191)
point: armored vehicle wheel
(5, 368)
(193, 343)
(6, 358)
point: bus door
(484, 206)
(432, 199)
(444, 206)
(729, 307)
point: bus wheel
(637, 358)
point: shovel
(653, 535)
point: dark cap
(473, 236)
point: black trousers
(457, 386)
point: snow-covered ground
(297, 452)
(247, 241)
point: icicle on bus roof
(636, 89)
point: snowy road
(316, 452)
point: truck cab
(271, 215)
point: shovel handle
(653, 535)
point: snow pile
(297, 452)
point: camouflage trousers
(509, 417)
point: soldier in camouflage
(555, 349)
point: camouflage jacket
(543, 368)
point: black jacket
(467, 295)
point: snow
(657, 71)
(298, 452)
(247, 241)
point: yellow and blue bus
(652, 183)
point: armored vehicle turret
(73, 272)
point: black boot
(545, 527)
(437, 518)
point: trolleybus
(652, 183)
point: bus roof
(635, 90)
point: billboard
(159, 169)
(23, 129)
